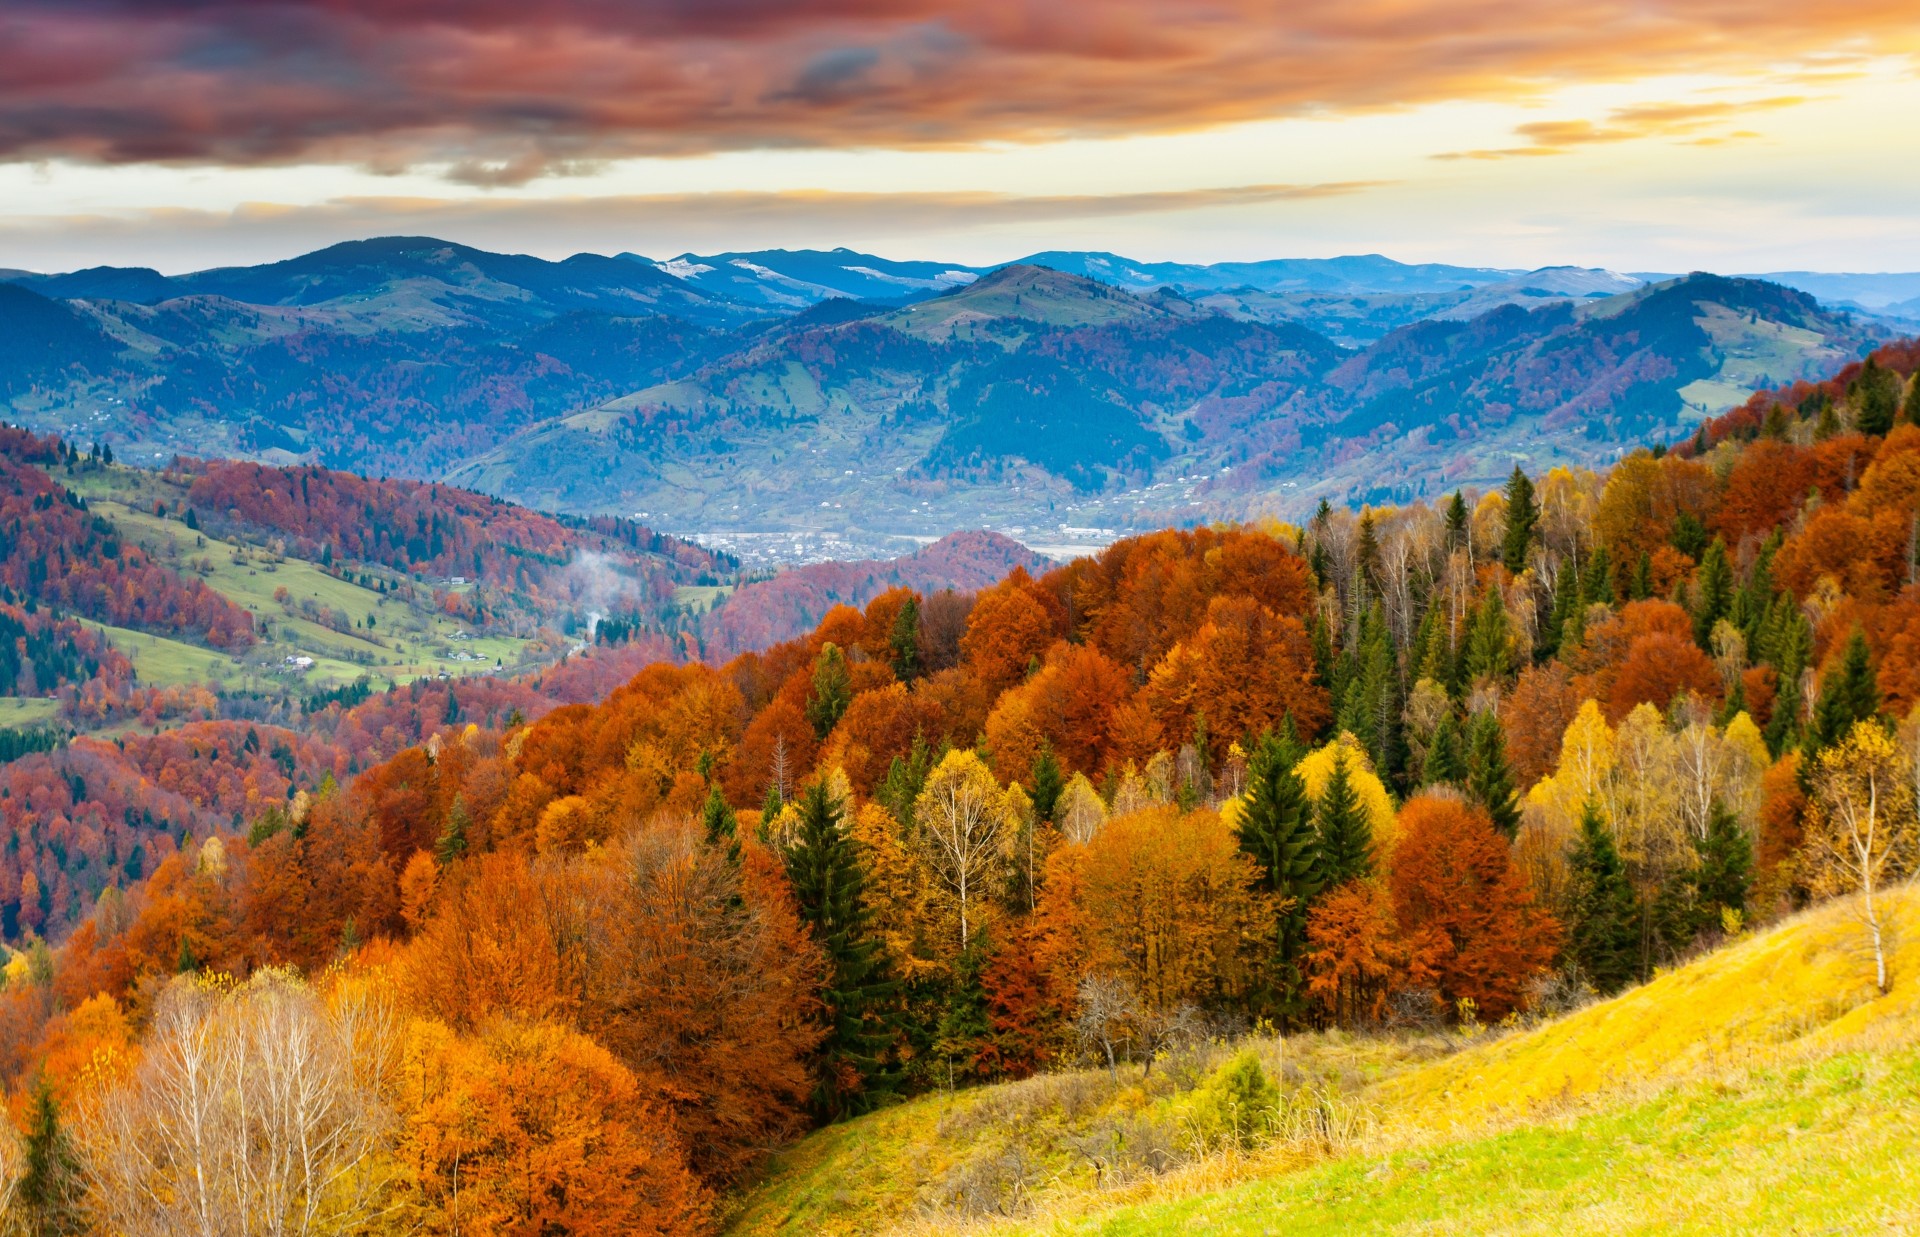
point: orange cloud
(500, 91)
(1700, 123)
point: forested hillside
(1394, 773)
(750, 393)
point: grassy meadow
(1766, 1087)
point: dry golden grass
(1766, 1081)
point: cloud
(498, 92)
(1699, 124)
(657, 223)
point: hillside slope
(1765, 1087)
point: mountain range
(1061, 398)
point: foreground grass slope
(1767, 1087)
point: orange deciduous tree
(1468, 918)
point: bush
(1237, 1106)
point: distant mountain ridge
(836, 391)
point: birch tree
(966, 832)
(1863, 831)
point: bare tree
(1108, 1018)
(255, 1110)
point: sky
(1641, 135)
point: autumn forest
(575, 950)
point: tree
(1446, 763)
(1489, 779)
(1713, 593)
(903, 641)
(452, 842)
(1523, 512)
(1355, 957)
(1877, 394)
(1849, 695)
(1047, 784)
(1342, 829)
(47, 1200)
(1863, 833)
(832, 690)
(1489, 652)
(1603, 930)
(1724, 876)
(1456, 521)
(1469, 920)
(1275, 828)
(965, 832)
(719, 824)
(254, 1108)
(828, 877)
(1166, 901)
(529, 1128)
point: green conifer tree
(1490, 777)
(1489, 654)
(719, 824)
(48, 1200)
(1446, 761)
(832, 690)
(1876, 393)
(1523, 512)
(1724, 877)
(452, 842)
(1342, 829)
(1600, 583)
(1276, 829)
(1603, 932)
(1456, 521)
(1713, 593)
(1848, 694)
(825, 869)
(903, 642)
(1048, 782)
(1642, 586)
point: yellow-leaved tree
(966, 829)
(1862, 832)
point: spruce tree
(832, 690)
(824, 867)
(1724, 876)
(1523, 512)
(1569, 600)
(1342, 829)
(1276, 830)
(1490, 777)
(1600, 584)
(1877, 393)
(452, 842)
(1848, 695)
(1603, 932)
(47, 1200)
(719, 824)
(1713, 594)
(1489, 653)
(1642, 587)
(1446, 761)
(1456, 521)
(1787, 645)
(903, 642)
(1048, 782)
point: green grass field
(1765, 1088)
(22, 712)
(405, 640)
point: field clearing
(17, 712)
(1764, 1088)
